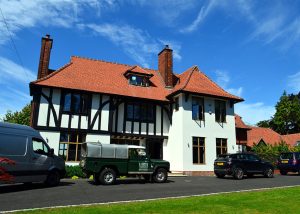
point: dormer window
(138, 76)
(138, 80)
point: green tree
(20, 117)
(286, 119)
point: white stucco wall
(179, 146)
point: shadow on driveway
(24, 187)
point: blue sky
(250, 48)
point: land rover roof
(18, 129)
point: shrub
(76, 171)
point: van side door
(40, 159)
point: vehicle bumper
(225, 171)
(289, 168)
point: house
(260, 135)
(292, 139)
(241, 130)
(184, 118)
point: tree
(20, 117)
(286, 120)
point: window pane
(76, 103)
(84, 103)
(150, 113)
(201, 141)
(129, 112)
(195, 154)
(202, 154)
(72, 152)
(195, 141)
(19, 142)
(39, 147)
(136, 112)
(64, 137)
(218, 142)
(73, 138)
(195, 112)
(67, 102)
(144, 113)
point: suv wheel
(238, 174)
(53, 179)
(282, 172)
(160, 176)
(219, 175)
(107, 176)
(269, 173)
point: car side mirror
(51, 153)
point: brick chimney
(45, 56)
(165, 65)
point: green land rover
(106, 162)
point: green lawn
(269, 201)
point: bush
(76, 171)
(271, 152)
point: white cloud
(236, 91)
(138, 44)
(254, 112)
(20, 14)
(10, 70)
(203, 13)
(294, 82)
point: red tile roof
(256, 134)
(106, 77)
(291, 139)
(239, 122)
(195, 81)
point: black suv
(241, 164)
(289, 162)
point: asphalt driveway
(73, 192)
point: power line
(13, 44)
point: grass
(268, 201)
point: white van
(33, 158)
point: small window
(198, 150)
(220, 111)
(75, 103)
(140, 112)
(39, 147)
(70, 146)
(197, 108)
(221, 145)
(176, 104)
(139, 80)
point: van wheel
(238, 174)
(53, 179)
(160, 176)
(107, 176)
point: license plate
(220, 164)
(284, 161)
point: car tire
(282, 172)
(160, 175)
(238, 173)
(53, 179)
(269, 173)
(220, 175)
(107, 176)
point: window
(252, 158)
(125, 141)
(220, 111)
(39, 147)
(176, 107)
(221, 145)
(75, 103)
(139, 80)
(198, 150)
(140, 112)
(70, 146)
(198, 108)
(12, 145)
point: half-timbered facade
(186, 118)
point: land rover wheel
(282, 172)
(160, 176)
(238, 173)
(269, 173)
(53, 179)
(107, 176)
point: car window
(39, 146)
(241, 157)
(252, 157)
(287, 156)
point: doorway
(154, 148)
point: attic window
(139, 80)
